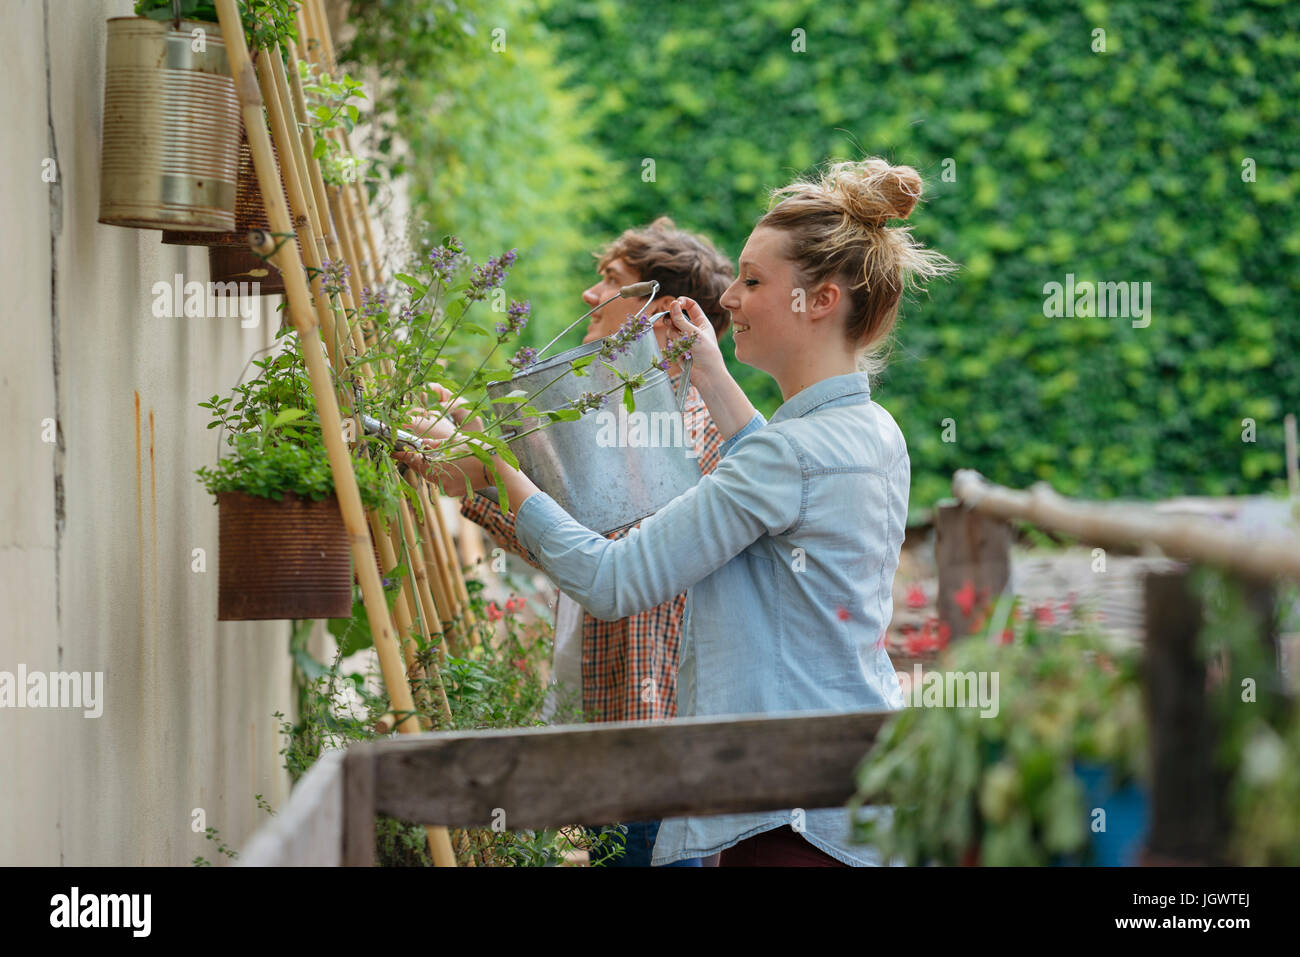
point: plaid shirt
(619, 656)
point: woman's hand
(728, 405)
(707, 365)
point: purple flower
(334, 276)
(516, 319)
(631, 330)
(490, 275)
(374, 303)
(680, 348)
(447, 259)
(524, 358)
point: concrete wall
(98, 527)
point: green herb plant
(1002, 790)
(266, 22)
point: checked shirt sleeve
(499, 525)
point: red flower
(521, 664)
(1043, 614)
(515, 604)
(944, 633)
(916, 596)
(842, 613)
(493, 612)
(965, 598)
(1008, 636)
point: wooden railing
(575, 774)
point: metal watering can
(609, 469)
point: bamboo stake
(1192, 539)
(314, 355)
(427, 604)
(276, 90)
(435, 559)
(401, 607)
(458, 579)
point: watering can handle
(684, 385)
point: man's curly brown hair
(684, 264)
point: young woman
(788, 549)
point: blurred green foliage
(475, 112)
(1125, 165)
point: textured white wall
(103, 581)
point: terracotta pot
(282, 559)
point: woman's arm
(755, 491)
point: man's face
(606, 320)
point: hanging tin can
(171, 124)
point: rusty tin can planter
(170, 146)
(282, 559)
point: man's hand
(459, 476)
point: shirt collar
(819, 393)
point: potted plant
(171, 122)
(283, 548)
(1054, 776)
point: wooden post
(1188, 795)
(973, 553)
(359, 769)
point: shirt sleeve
(499, 525)
(748, 429)
(756, 491)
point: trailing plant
(1002, 789)
(266, 22)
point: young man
(627, 669)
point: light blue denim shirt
(787, 552)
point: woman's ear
(825, 299)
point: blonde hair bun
(873, 191)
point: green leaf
(288, 415)
(629, 398)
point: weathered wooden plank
(308, 830)
(358, 837)
(623, 771)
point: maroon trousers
(779, 847)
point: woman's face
(761, 302)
